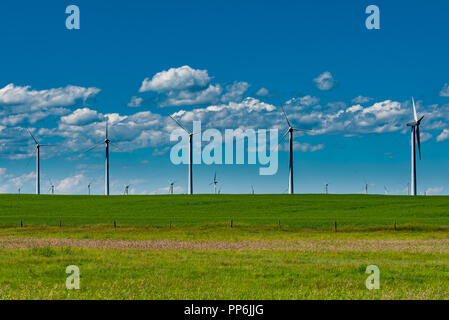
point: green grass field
(201, 257)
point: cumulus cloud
(25, 99)
(181, 78)
(361, 100)
(445, 91)
(235, 91)
(302, 147)
(23, 105)
(186, 86)
(303, 101)
(324, 81)
(263, 92)
(135, 102)
(186, 97)
(443, 135)
(81, 116)
(69, 184)
(434, 191)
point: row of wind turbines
(415, 139)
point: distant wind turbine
(89, 187)
(126, 191)
(415, 136)
(171, 187)
(214, 182)
(52, 187)
(290, 133)
(191, 134)
(252, 189)
(38, 164)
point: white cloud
(69, 184)
(166, 190)
(186, 97)
(361, 100)
(354, 108)
(263, 92)
(235, 91)
(324, 81)
(135, 102)
(23, 104)
(308, 100)
(443, 135)
(445, 91)
(303, 147)
(18, 97)
(81, 116)
(434, 191)
(425, 136)
(181, 78)
(187, 86)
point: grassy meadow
(183, 247)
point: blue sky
(352, 86)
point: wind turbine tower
(107, 142)
(290, 131)
(191, 134)
(415, 135)
(38, 163)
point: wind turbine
(126, 191)
(38, 163)
(415, 136)
(252, 189)
(106, 176)
(290, 131)
(326, 188)
(214, 182)
(171, 187)
(191, 134)
(52, 187)
(88, 187)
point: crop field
(224, 246)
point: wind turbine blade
(301, 130)
(414, 110)
(90, 149)
(420, 119)
(179, 124)
(285, 134)
(32, 136)
(285, 115)
(419, 141)
(114, 145)
(107, 131)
